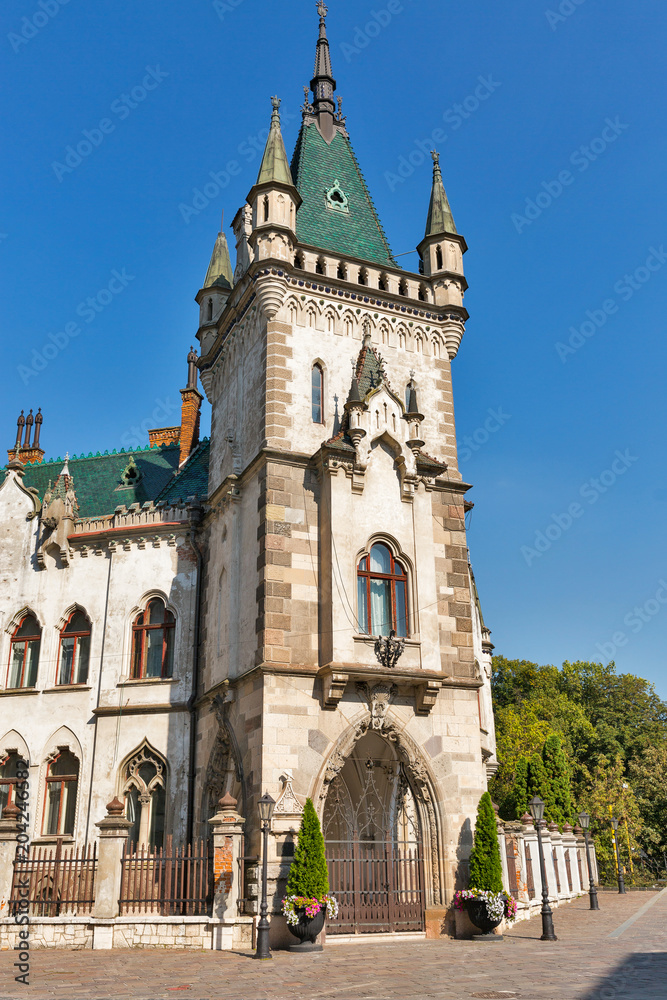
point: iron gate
(379, 886)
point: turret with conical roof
(212, 296)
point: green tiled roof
(192, 480)
(98, 478)
(316, 166)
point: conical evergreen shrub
(558, 798)
(537, 778)
(520, 796)
(308, 875)
(486, 871)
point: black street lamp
(585, 822)
(266, 806)
(621, 883)
(536, 806)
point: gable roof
(316, 166)
(192, 480)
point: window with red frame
(382, 593)
(8, 768)
(24, 653)
(153, 642)
(62, 779)
(74, 650)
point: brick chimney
(190, 410)
(26, 452)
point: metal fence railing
(168, 881)
(59, 880)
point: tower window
(266, 208)
(383, 283)
(438, 258)
(317, 386)
(381, 593)
(210, 309)
(320, 266)
(74, 650)
(298, 261)
(402, 287)
(422, 293)
(363, 276)
(24, 654)
(342, 271)
(62, 778)
(153, 642)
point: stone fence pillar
(561, 887)
(531, 857)
(570, 851)
(228, 828)
(113, 829)
(9, 831)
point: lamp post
(585, 822)
(621, 883)
(536, 806)
(266, 806)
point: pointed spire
(65, 469)
(192, 369)
(412, 407)
(220, 265)
(275, 167)
(323, 84)
(440, 219)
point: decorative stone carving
(333, 688)
(287, 803)
(270, 290)
(378, 698)
(426, 696)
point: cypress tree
(486, 870)
(537, 778)
(308, 875)
(520, 794)
(558, 799)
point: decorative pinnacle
(436, 157)
(275, 114)
(322, 9)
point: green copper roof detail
(220, 266)
(192, 480)
(317, 166)
(275, 167)
(100, 486)
(440, 218)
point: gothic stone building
(287, 607)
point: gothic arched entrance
(372, 830)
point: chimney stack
(25, 452)
(190, 410)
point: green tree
(536, 782)
(486, 870)
(308, 874)
(648, 779)
(558, 798)
(520, 796)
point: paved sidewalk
(598, 957)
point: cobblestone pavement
(596, 957)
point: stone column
(9, 831)
(570, 850)
(113, 829)
(227, 851)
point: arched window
(210, 309)
(145, 796)
(62, 779)
(383, 283)
(362, 278)
(9, 764)
(153, 641)
(402, 287)
(342, 271)
(321, 266)
(438, 258)
(382, 593)
(24, 653)
(74, 650)
(317, 387)
(266, 208)
(298, 261)
(423, 297)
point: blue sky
(553, 151)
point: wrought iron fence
(59, 881)
(168, 881)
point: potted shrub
(486, 901)
(307, 898)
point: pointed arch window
(74, 650)
(382, 598)
(24, 653)
(62, 779)
(317, 393)
(144, 788)
(210, 310)
(265, 204)
(9, 767)
(153, 642)
(438, 258)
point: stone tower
(344, 656)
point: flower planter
(307, 929)
(478, 912)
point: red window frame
(27, 639)
(10, 782)
(140, 630)
(71, 635)
(62, 779)
(394, 577)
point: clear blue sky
(553, 84)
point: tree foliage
(606, 731)
(486, 870)
(308, 874)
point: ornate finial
(436, 157)
(307, 106)
(275, 114)
(322, 9)
(412, 373)
(275, 103)
(339, 101)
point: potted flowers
(307, 899)
(486, 902)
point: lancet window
(144, 788)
